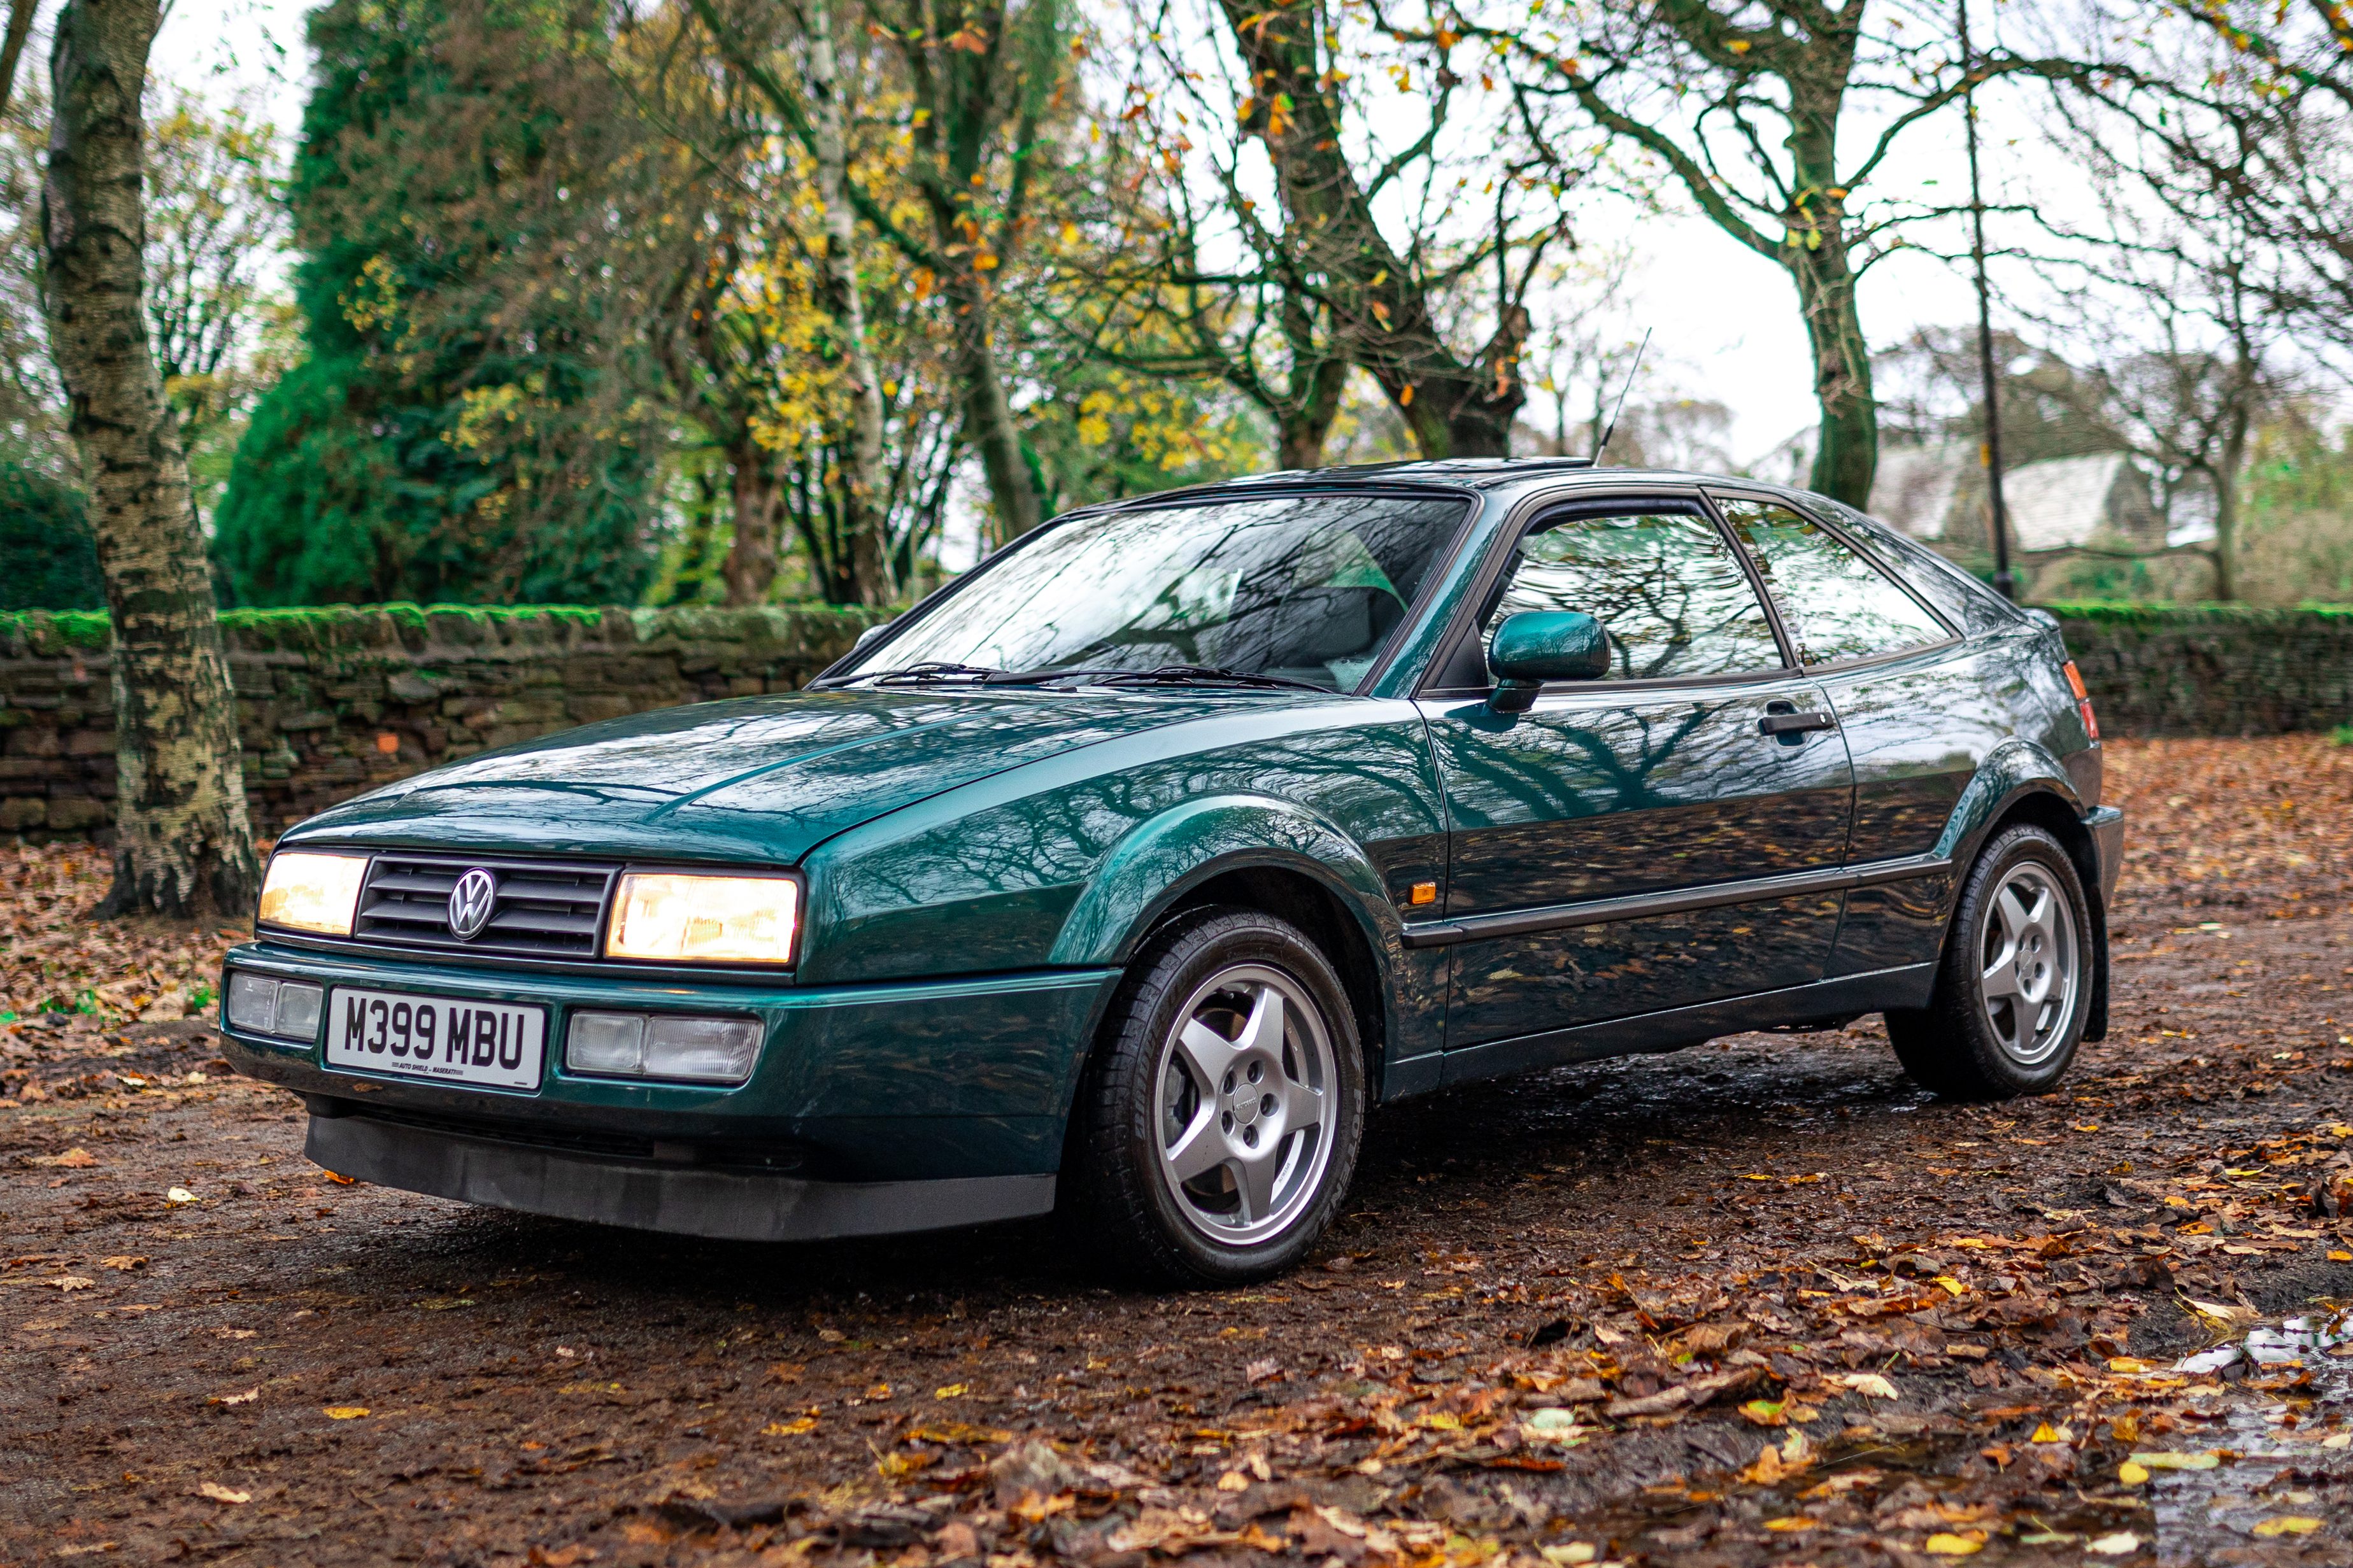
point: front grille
(541, 910)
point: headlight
(679, 917)
(310, 891)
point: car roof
(1476, 473)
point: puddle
(2278, 1421)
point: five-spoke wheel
(2028, 983)
(1218, 1123)
(1244, 1082)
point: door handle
(1794, 724)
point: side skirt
(1679, 1027)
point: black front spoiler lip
(729, 1204)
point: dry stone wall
(335, 702)
(2213, 669)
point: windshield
(1303, 589)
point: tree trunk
(1814, 251)
(1454, 409)
(750, 570)
(182, 844)
(11, 48)
(1846, 457)
(861, 486)
(988, 414)
(2239, 418)
(1308, 422)
(2226, 505)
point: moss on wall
(2213, 669)
(338, 699)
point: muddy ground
(1761, 1301)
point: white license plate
(436, 1037)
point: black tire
(1143, 1101)
(2010, 1006)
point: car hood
(761, 779)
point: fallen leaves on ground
(1758, 1302)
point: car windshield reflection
(1276, 591)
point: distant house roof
(1916, 485)
(1931, 491)
(2061, 501)
(2066, 501)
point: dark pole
(1989, 452)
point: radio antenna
(1622, 398)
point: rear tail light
(2083, 700)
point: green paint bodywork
(980, 863)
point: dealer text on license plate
(436, 1037)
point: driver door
(1613, 849)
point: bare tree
(32, 410)
(183, 843)
(1183, 268)
(2180, 269)
(1746, 105)
(212, 218)
(1132, 285)
(2251, 105)
(1393, 308)
(982, 78)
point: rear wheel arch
(2010, 1004)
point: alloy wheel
(2029, 966)
(1247, 1079)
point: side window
(1667, 589)
(1837, 604)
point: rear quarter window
(1962, 598)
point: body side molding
(1679, 901)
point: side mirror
(869, 634)
(1537, 645)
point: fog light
(286, 1008)
(707, 1050)
(252, 1002)
(662, 1045)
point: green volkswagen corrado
(1126, 873)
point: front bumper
(942, 1081)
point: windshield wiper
(931, 670)
(1196, 674)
